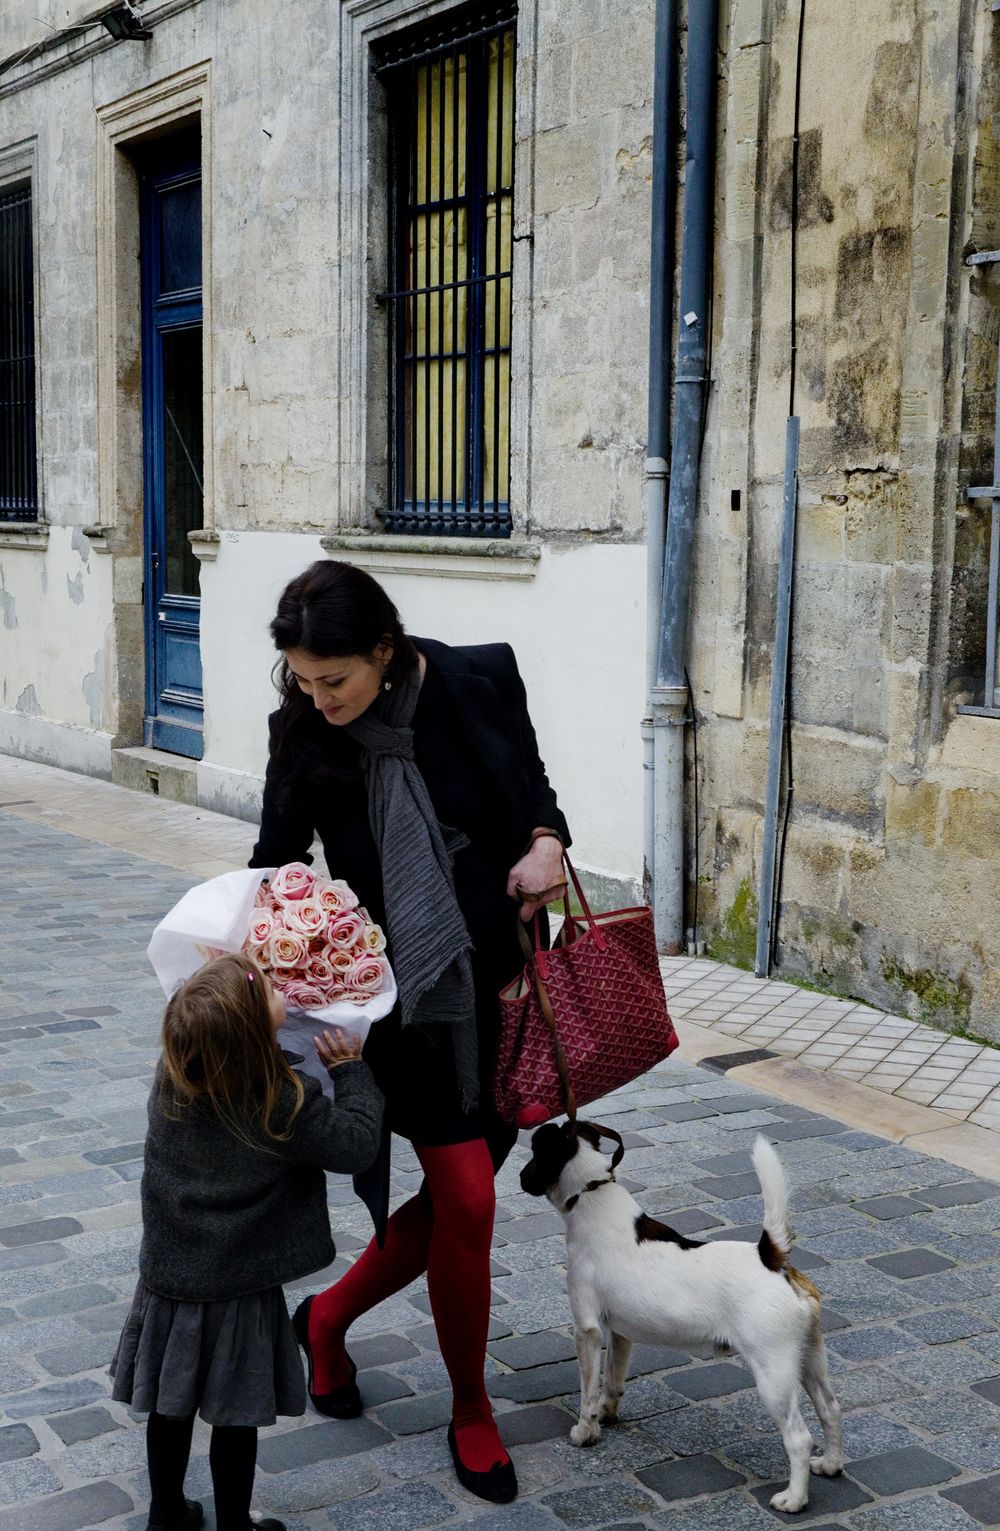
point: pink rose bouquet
(315, 942)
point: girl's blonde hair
(220, 1048)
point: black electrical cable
(786, 739)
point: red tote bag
(582, 1019)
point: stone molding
(442, 557)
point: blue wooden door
(173, 443)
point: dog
(635, 1279)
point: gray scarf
(427, 932)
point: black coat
(221, 1219)
(484, 774)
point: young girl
(233, 1205)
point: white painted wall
(577, 628)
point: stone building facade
(890, 886)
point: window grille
(450, 94)
(18, 467)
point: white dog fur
(635, 1280)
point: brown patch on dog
(648, 1230)
(799, 1280)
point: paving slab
(876, 1180)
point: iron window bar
(18, 456)
(991, 492)
(445, 467)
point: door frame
(164, 613)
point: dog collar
(594, 1185)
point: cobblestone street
(905, 1248)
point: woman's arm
(540, 868)
(286, 827)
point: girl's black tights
(232, 1457)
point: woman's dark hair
(331, 610)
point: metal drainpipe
(661, 291)
(669, 695)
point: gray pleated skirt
(234, 1362)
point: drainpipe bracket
(669, 698)
(656, 467)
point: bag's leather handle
(562, 1068)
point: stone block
(912, 1262)
(82, 1425)
(315, 1443)
(613, 69)
(894, 1472)
(911, 811)
(713, 1381)
(599, 1504)
(970, 821)
(89, 1506)
(567, 168)
(690, 1477)
(17, 1441)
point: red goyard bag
(583, 1018)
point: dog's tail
(776, 1240)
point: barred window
(450, 95)
(18, 468)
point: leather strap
(548, 1015)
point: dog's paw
(585, 1432)
(826, 1466)
(787, 1502)
(607, 1409)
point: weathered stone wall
(295, 367)
(891, 884)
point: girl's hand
(335, 1047)
(540, 873)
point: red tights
(446, 1230)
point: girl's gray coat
(222, 1219)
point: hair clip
(249, 976)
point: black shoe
(499, 1485)
(260, 1522)
(190, 1521)
(339, 1402)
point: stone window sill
(24, 534)
(204, 544)
(443, 557)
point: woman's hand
(335, 1047)
(540, 873)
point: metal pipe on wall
(661, 286)
(669, 694)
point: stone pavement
(905, 1246)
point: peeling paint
(7, 604)
(75, 588)
(81, 544)
(93, 691)
(28, 703)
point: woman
(417, 766)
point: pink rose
(307, 996)
(261, 926)
(264, 899)
(366, 975)
(374, 939)
(285, 949)
(305, 918)
(320, 971)
(292, 882)
(340, 962)
(346, 931)
(335, 896)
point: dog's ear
(552, 1147)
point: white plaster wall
(55, 610)
(577, 628)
